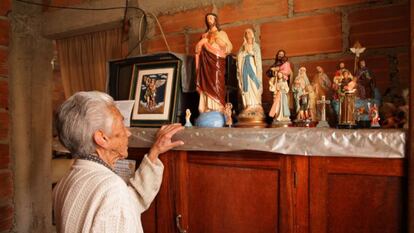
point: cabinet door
(158, 218)
(356, 195)
(239, 192)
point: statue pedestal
(322, 124)
(280, 124)
(251, 122)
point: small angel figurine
(227, 114)
(187, 118)
(373, 115)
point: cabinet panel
(358, 195)
(236, 192)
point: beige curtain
(83, 60)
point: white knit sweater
(92, 198)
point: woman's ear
(100, 139)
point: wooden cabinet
(356, 195)
(244, 191)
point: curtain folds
(83, 59)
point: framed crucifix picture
(154, 89)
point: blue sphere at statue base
(210, 120)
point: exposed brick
(404, 69)
(302, 36)
(6, 184)
(5, 6)
(176, 43)
(6, 220)
(308, 5)
(378, 65)
(236, 35)
(4, 68)
(252, 9)
(4, 156)
(4, 125)
(194, 38)
(4, 32)
(4, 93)
(381, 27)
(191, 19)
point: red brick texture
(5, 7)
(4, 125)
(4, 68)
(176, 43)
(308, 5)
(4, 156)
(302, 36)
(381, 27)
(4, 94)
(6, 184)
(191, 19)
(252, 9)
(6, 220)
(4, 32)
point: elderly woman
(91, 197)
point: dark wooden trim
(410, 155)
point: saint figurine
(366, 82)
(211, 52)
(300, 95)
(187, 118)
(374, 116)
(280, 107)
(337, 80)
(322, 84)
(281, 65)
(347, 100)
(249, 75)
(322, 87)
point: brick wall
(6, 179)
(313, 32)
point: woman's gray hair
(80, 117)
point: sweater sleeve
(146, 182)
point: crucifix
(323, 102)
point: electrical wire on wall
(143, 22)
(143, 26)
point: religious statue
(249, 75)
(282, 65)
(187, 118)
(322, 84)
(280, 107)
(322, 87)
(300, 95)
(312, 102)
(337, 80)
(347, 91)
(365, 81)
(211, 52)
(228, 114)
(373, 115)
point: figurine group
(293, 98)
